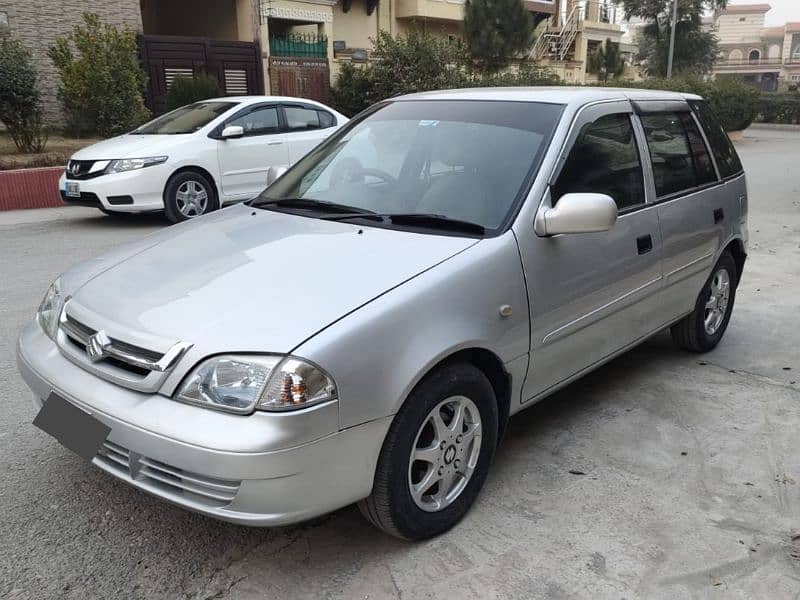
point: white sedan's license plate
(73, 189)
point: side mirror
(273, 173)
(577, 213)
(232, 131)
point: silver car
(363, 329)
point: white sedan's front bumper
(135, 191)
(262, 469)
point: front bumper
(135, 191)
(240, 476)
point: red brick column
(30, 188)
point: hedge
(779, 108)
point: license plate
(73, 189)
(74, 428)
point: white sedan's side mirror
(578, 213)
(232, 131)
(273, 173)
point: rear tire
(430, 471)
(189, 194)
(703, 329)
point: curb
(30, 188)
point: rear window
(727, 159)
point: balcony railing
(754, 62)
(297, 44)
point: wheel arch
(193, 169)
(736, 249)
(492, 367)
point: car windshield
(468, 161)
(186, 119)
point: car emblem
(97, 346)
(73, 168)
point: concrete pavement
(690, 484)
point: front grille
(173, 481)
(79, 169)
(113, 359)
(120, 354)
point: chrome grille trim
(122, 363)
(171, 480)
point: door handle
(274, 143)
(719, 215)
(644, 243)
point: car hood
(128, 146)
(245, 279)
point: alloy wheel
(445, 453)
(191, 198)
(717, 303)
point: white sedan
(198, 157)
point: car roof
(577, 96)
(254, 99)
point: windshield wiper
(311, 204)
(431, 221)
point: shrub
(779, 108)
(20, 100)
(419, 62)
(185, 90)
(102, 83)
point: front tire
(436, 455)
(703, 329)
(189, 194)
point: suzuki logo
(97, 346)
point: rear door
(593, 294)
(306, 126)
(692, 205)
(244, 161)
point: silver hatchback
(363, 329)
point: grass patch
(59, 149)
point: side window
(326, 119)
(727, 159)
(260, 121)
(702, 159)
(673, 165)
(301, 119)
(604, 160)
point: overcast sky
(782, 10)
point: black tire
(690, 332)
(171, 202)
(391, 506)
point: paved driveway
(691, 484)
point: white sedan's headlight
(50, 309)
(241, 383)
(131, 164)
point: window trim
(216, 133)
(578, 123)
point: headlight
(130, 164)
(242, 383)
(50, 309)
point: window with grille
(235, 82)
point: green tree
(102, 84)
(695, 49)
(495, 31)
(606, 62)
(20, 100)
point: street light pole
(672, 38)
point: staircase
(556, 43)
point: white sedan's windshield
(463, 160)
(186, 119)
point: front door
(593, 294)
(244, 161)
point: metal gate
(236, 65)
(301, 77)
